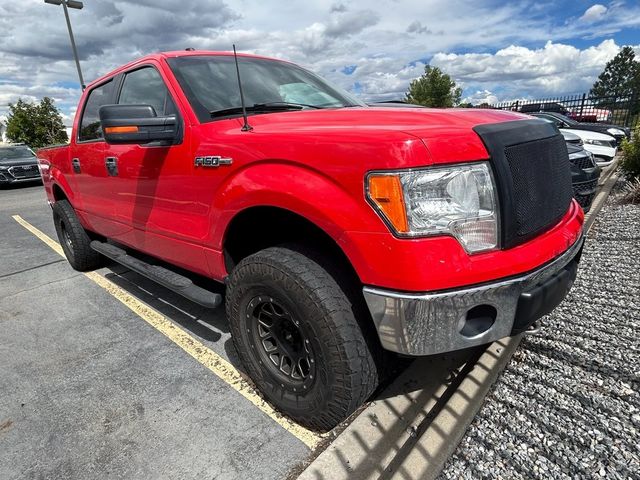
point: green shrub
(630, 164)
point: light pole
(78, 6)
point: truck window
(146, 87)
(90, 128)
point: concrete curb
(607, 181)
(417, 424)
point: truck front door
(155, 204)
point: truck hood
(446, 133)
(416, 121)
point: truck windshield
(211, 85)
(14, 153)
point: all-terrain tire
(73, 238)
(342, 363)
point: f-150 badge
(212, 161)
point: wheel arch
(259, 227)
(58, 193)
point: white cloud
(481, 96)
(594, 13)
(555, 69)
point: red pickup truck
(340, 231)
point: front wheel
(296, 333)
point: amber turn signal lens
(128, 129)
(386, 192)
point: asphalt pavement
(90, 390)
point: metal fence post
(633, 110)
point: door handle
(112, 166)
(75, 163)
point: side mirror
(138, 124)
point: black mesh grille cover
(531, 165)
(541, 183)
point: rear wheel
(296, 333)
(73, 238)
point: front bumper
(430, 323)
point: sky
(495, 50)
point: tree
(35, 124)
(621, 76)
(434, 89)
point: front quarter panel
(303, 191)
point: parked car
(18, 164)
(541, 107)
(584, 175)
(602, 146)
(338, 230)
(590, 113)
(562, 121)
(572, 138)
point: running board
(171, 280)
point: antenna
(246, 127)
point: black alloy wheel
(281, 343)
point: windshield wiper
(262, 107)
(288, 104)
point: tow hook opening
(534, 328)
(478, 320)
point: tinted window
(90, 125)
(12, 153)
(146, 87)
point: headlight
(615, 131)
(457, 200)
(602, 143)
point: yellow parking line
(207, 357)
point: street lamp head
(66, 4)
(69, 3)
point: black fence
(624, 111)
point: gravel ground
(568, 404)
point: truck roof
(176, 53)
